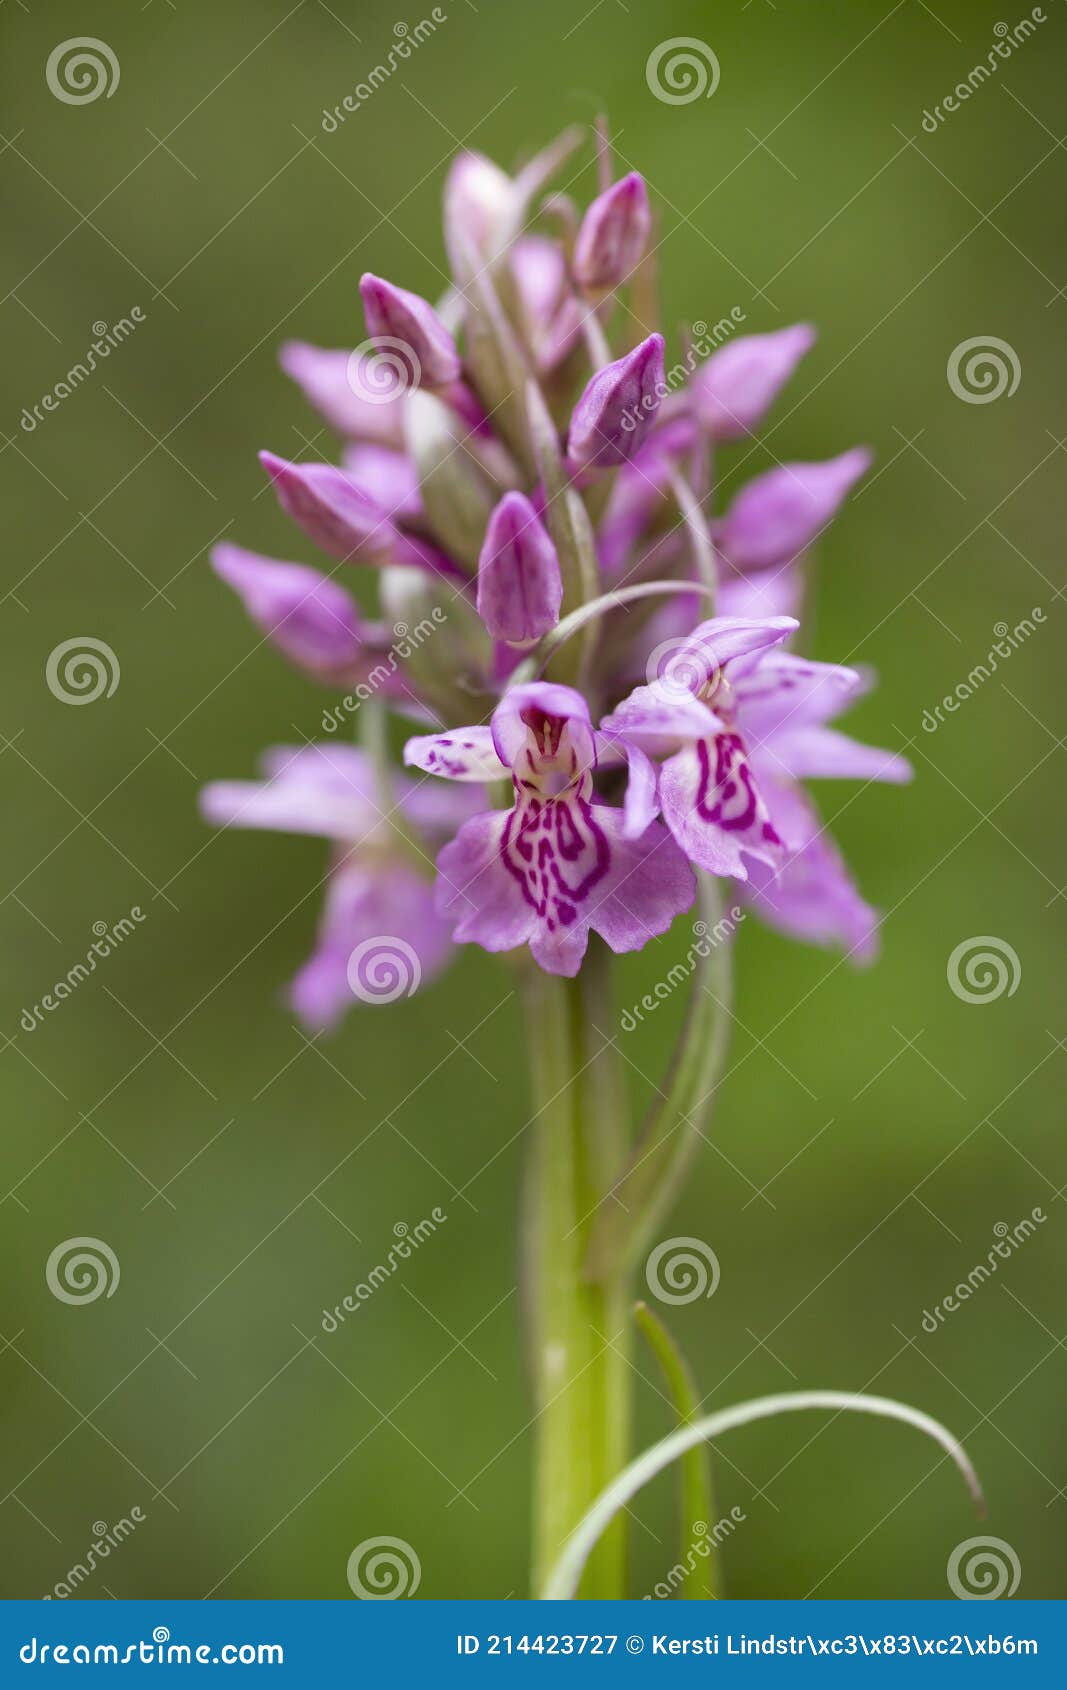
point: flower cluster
(613, 678)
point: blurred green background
(873, 1129)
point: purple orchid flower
(598, 552)
(740, 723)
(558, 864)
(575, 853)
(379, 896)
(306, 615)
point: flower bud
(307, 616)
(618, 408)
(520, 588)
(478, 199)
(343, 519)
(775, 516)
(413, 331)
(737, 386)
(333, 382)
(613, 236)
(388, 476)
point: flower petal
(735, 389)
(616, 412)
(817, 753)
(546, 874)
(460, 754)
(308, 616)
(330, 381)
(640, 805)
(388, 916)
(409, 329)
(786, 692)
(520, 588)
(386, 476)
(660, 718)
(339, 516)
(810, 894)
(699, 659)
(542, 698)
(777, 514)
(613, 235)
(713, 807)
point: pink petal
(309, 617)
(618, 408)
(520, 588)
(406, 328)
(776, 515)
(735, 389)
(460, 754)
(331, 381)
(613, 235)
(713, 807)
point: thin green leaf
(700, 1580)
(563, 1580)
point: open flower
(378, 890)
(558, 863)
(740, 723)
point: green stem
(579, 1326)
